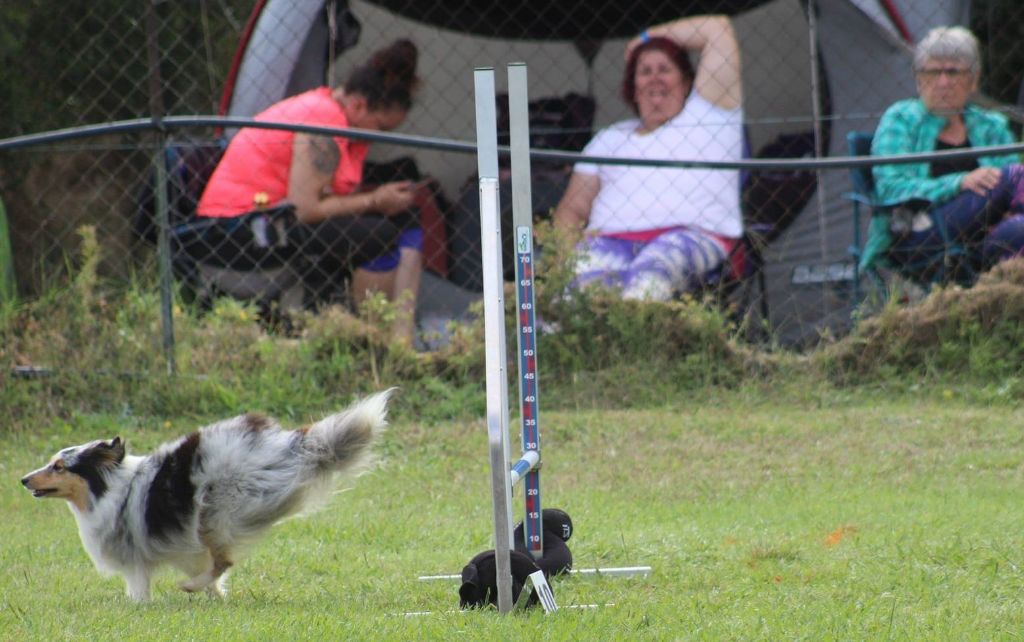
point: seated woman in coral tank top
(331, 221)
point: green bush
(102, 351)
(99, 349)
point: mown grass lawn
(798, 515)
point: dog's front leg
(137, 580)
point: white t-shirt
(634, 199)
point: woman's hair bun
(389, 77)
(397, 61)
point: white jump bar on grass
(465, 611)
(621, 571)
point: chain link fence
(810, 76)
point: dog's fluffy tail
(253, 477)
(343, 442)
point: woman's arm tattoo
(325, 154)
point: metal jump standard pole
(494, 330)
(504, 476)
(527, 468)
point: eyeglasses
(954, 73)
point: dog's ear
(116, 446)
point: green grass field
(801, 514)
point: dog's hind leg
(196, 568)
(218, 559)
(137, 580)
(218, 588)
(210, 579)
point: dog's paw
(197, 583)
(138, 586)
(216, 591)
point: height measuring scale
(522, 223)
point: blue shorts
(411, 238)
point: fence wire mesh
(808, 79)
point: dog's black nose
(24, 481)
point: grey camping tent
(862, 66)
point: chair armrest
(912, 203)
(858, 197)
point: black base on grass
(480, 577)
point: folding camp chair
(201, 262)
(950, 263)
(770, 202)
(219, 268)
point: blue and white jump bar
(523, 467)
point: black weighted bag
(480, 579)
(556, 558)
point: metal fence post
(156, 107)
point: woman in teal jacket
(981, 199)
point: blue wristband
(644, 36)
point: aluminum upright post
(494, 330)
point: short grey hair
(949, 43)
